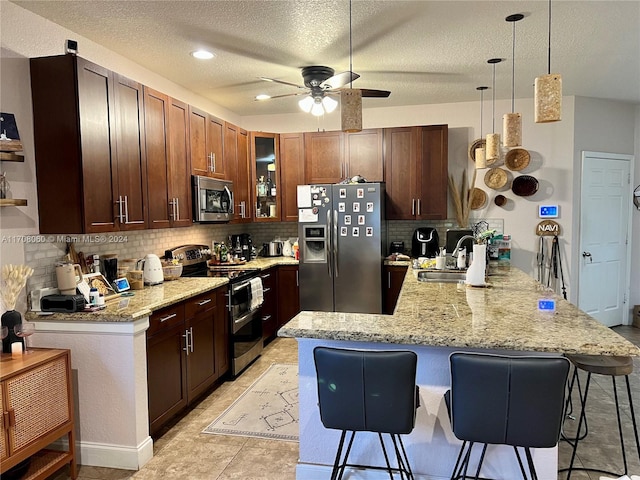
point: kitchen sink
(441, 276)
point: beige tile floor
(181, 452)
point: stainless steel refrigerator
(341, 233)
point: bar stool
(612, 366)
(505, 400)
(373, 391)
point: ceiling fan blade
(367, 92)
(340, 79)
(266, 79)
(282, 96)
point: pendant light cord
(350, 50)
(513, 69)
(481, 109)
(493, 92)
(549, 60)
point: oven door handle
(238, 323)
(235, 288)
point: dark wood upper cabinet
(416, 170)
(363, 155)
(168, 170)
(291, 173)
(207, 141)
(324, 157)
(242, 180)
(90, 161)
(179, 167)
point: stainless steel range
(245, 323)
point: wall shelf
(11, 157)
(13, 202)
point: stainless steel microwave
(212, 199)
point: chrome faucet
(462, 239)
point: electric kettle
(152, 269)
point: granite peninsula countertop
(152, 298)
(503, 316)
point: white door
(604, 236)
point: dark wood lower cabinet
(393, 277)
(270, 306)
(288, 293)
(187, 351)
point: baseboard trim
(111, 456)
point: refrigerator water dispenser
(314, 244)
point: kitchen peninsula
(435, 319)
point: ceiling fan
(320, 83)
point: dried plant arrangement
(14, 279)
(462, 197)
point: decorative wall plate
(495, 178)
(480, 142)
(524, 185)
(478, 199)
(517, 159)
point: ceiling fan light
(512, 129)
(202, 55)
(317, 108)
(263, 96)
(329, 104)
(305, 104)
(351, 109)
(548, 98)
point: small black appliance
(425, 242)
(396, 247)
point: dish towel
(256, 293)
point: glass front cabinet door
(266, 175)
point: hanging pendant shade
(492, 146)
(351, 109)
(512, 129)
(512, 122)
(548, 91)
(480, 152)
(548, 98)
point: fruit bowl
(172, 272)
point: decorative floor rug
(267, 409)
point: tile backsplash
(136, 244)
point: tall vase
(10, 318)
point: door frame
(627, 317)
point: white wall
(635, 228)
(552, 147)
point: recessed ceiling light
(263, 96)
(202, 54)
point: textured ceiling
(422, 51)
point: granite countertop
(152, 298)
(502, 316)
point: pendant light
(480, 154)
(493, 139)
(548, 91)
(351, 98)
(512, 122)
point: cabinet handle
(177, 207)
(266, 318)
(266, 290)
(191, 338)
(120, 216)
(265, 276)
(389, 280)
(413, 206)
(209, 164)
(213, 162)
(186, 341)
(126, 209)
(204, 302)
(419, 207)
(242, 209)
(297, 283)
(168, 317)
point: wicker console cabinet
(37, 409)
